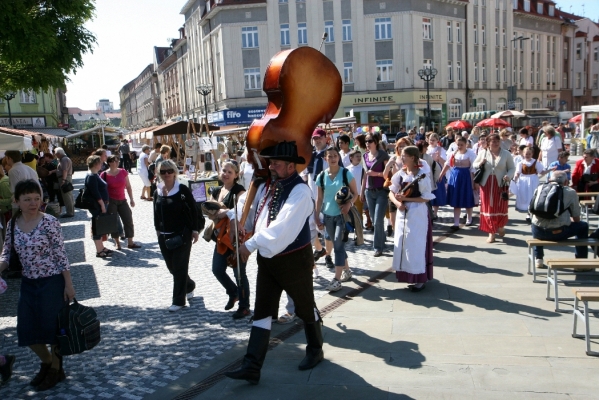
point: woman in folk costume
(413, 241)
(527, 180)
(439, 155)
(459, 184)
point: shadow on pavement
(464, 264)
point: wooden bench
(585, 204)
(549, 243)
(573, 265)
(585, 295)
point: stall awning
(95, 130)
(180, 128)
(477, 115)
(14, 141)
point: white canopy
(14, 142)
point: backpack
(320, 178)
(78, 329)
(547, 201)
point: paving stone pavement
(144, 347)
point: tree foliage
(42, 42)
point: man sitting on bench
(565, 226)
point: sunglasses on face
(167, 171)
(369, 141)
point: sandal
(134, 246)
(108, 252)
(102, 254)
(143, 198)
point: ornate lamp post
(205, 89)
(8, 96)
(427, 75)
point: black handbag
(480, 171)
(15, 268)
(106, 224)
(174, 242)
(78, 329)
(66, 187)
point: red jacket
(579, 169)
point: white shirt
(20, 172)
(273, 239)
(550, 148)
(528, 141)
(345, 158)
(439, 149)
(356, 171)
(468, 155)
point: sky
(128, 30)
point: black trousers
(291, 273)
(177, 262)
(126, 162)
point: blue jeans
(335, 227)
(579, 229)
(219, 269)
(377, 204)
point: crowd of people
(303, 212)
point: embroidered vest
(532, 170)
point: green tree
(42, 42)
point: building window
(449, 31)
(348, 72)
(484, 70)
(553, 76)
(532, 76)
(328, 29)
(518, 104)
(458, 32)
(382, 28)
(514, 41)
(283, 1)
(504, 37)
(497, 77)
(578, 51)
(427, 30)
(28, 97)
(532, 42)
(497, 37)
(500, 106)
(475, 72)
(521, 80)
(565, 80)
(538, 43)
(475, 34)
(483, 2)
(515, 4)
(347, 30)
(455, 109)
(481, 105)
(483, 34)
(551, 10)
(527, 5)
(249, 37)
(458, 66)
(539, 8)
(596, 54)
(252, 78)
(538, 77)
(284, 34)
(504, 73)
(536, 103)
(578, 80)
(302, 33)
(595, 81)
(427, 63)
(449, 71)
(384, 70)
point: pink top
(40, 251)
(116, 184)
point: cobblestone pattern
(143, 346)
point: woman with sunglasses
(499, 171)
(228, 194)
(117, 180)
(176, 223)
(374, 191)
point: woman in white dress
(551, 145)
(142, 167)
(413, 241)
(527, 180)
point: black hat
(286, 151)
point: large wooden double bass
(304, 89)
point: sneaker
(315, 273)
(346, 275)
(6, 369)
(241, 312)
(190, 295)
(318, 254)
(539, 263)
(329, 262)
(174, 308)
(286, 319)
(389, 231)
(334, 286)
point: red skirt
(493, 210)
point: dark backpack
(320, 178)
(547, 201)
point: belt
(377, 189)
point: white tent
(14, 142)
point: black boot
(254, 358)
(314, 353)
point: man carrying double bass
(278, 218)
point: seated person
(563, 227)
(585, 176)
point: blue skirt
(459, 188)
(40, 301)
(440, 194)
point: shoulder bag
(480, 171)
(78, 329)
(15, 268)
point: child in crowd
(527, 180)
(562, 165)
(356, 169)
(518, 157)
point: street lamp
(204, 89)
(511, 89)
(8, 96)
(427, 75)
